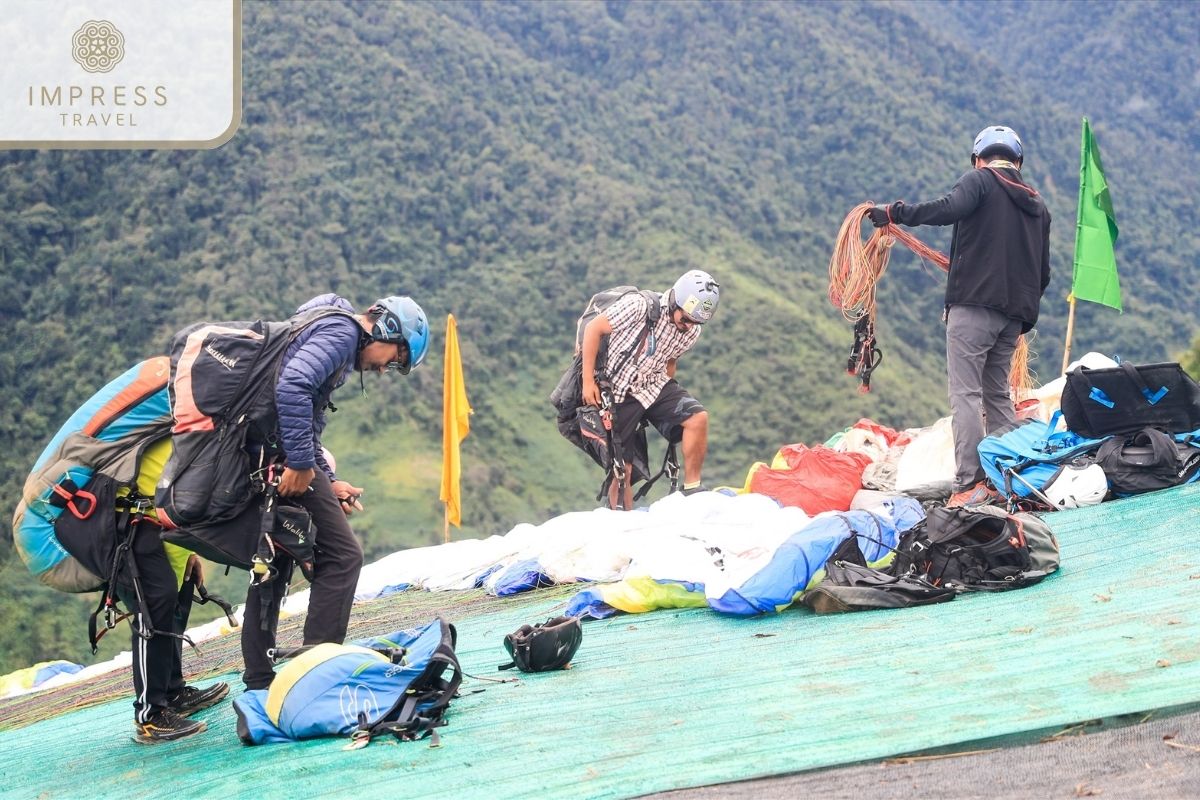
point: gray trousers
(979, 348)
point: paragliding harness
(222, 390)
(977, 549)
(285, 528)
(865, 356)
(579, 423)
(851, 585)
(255, 542)
(545, 646)
(615, 449)
(421, 710)
(132, 516)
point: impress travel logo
(120, 73)
(98, 46)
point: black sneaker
(190, 699)
(694, 490)
(166, 726)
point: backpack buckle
(358, 740)
(262, 571)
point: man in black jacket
(999, 270)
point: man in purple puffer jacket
(393, 334)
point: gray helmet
(697, 295)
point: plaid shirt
(645, 373)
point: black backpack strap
(132, 513)
(422, 707)
(616, 448)
(203, 596)
(651, 318)
(1152, 397)
(1161, 444)
(108, 599)
(670, 467)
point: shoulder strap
(1136, 377)
(301, 322)
(652, 314)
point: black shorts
(667, 413)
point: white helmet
(1076, 486)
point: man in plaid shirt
(639, 372)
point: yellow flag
(456, 410)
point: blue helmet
(401, 319)
(997, 139)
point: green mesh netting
(686, 698)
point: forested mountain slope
(504, 161)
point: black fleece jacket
(1000, 248)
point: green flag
(1095, 270)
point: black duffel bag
(1146, 461)
(1127, 398)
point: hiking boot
(978, 495)
(190, 699)
(694, 490)
(165, 725)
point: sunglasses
(402, 358)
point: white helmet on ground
(1076, 486)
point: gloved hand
(879, 216)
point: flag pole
(1075, 254)
(446, 525)
(1070, 333)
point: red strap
(70, 498)
(1010, 182)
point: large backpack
(223, 378)
(568, 394)
(65, 524)
(399, 684)
(977, 549)
(1022, 460)
(1147, 461)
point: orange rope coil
(856, 268)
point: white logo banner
(119, 73)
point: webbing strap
(637, 344)
(131, 516)
(670, 466)
(1151, 397)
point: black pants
(158, 661)
(339, 559)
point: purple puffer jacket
(314, 365)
